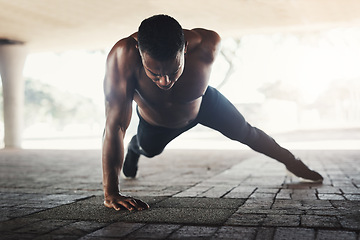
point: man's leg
(131, 160)
(218, 113)
(149, 141)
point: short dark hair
(161, 36)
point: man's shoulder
(126, 45)
(122, 65)
(207, 33)
(204, 41)
(124, 56)
(202, 35)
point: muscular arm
(119, 88)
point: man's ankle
(288, 159)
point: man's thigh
(153, 139)
(219, 113)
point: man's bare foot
(298, 168)
(131, 164)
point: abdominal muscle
(169, 115)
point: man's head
(162, 48)
(161, 37)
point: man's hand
(119, 202)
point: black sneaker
(130, 166)
(299, 169)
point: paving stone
(268, 189)
(316, 204)
(213, 203)
(80, 228)
(264, 233)
(258, 203)
(240, 192)
(15, 236)
(282, 220)
(115, 230)
(294, 234)
(268, 196)
(350, 221)
(328, 190)
(299, 194)
(329, 212)
(193, 192)
(216, 192)
(293, 207)
(284, 194)
(319, 207)
(17, 223)
(316, 221)
(240, 219)
(243, 195)
(193, 232)
(198, 216)
(56, 237)
(234, 232)
(43, 227)
(154, 231)
(342, 183)
(259, 181)
(298, 185)
(352, 197)
(347, 207)
(15, 212)
(331, 196)
(335, 235)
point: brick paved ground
(193, 194)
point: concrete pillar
(12, 60)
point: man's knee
(150, 153)
(144, 148)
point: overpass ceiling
(46, 25)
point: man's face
(164, 73)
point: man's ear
(185, 47)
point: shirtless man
(165, 69)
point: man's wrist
(110, 191)
(111, 194)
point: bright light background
(306, 65)
(78, 72)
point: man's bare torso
(176, 107)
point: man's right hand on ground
(119, 202)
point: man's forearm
(112, 160)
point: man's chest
(184, 91)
